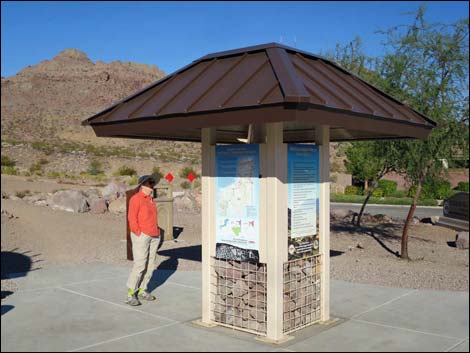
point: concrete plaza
(81, 308)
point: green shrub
(95, 168)
(7, 161)
(380, 200)
(399, 193)
(197, 184)
(388, 187)
(378, 193)
(157, 174)
(9, 170)
(433, 188)
(124, 170)
(23, 193)
(351, 190)
(185, 185)
(463, 186)
(437, 189)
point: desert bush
(185, 185)
(43, 161)
(36, 169)
(7, 161)
(23, 193)
(184, 172)
(95, 168)
(125, 170)
(134, 180)
(43, 146)
(54, 174)
(9, 170)
(157, 174)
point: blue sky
(172, 34)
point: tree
(371, 161)
(427, 68)
(367, 160)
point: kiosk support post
(323, 140)
(208, 219)
(276, 228)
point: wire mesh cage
(301, 293)
(238, 295)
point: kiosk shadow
(15, 265)
(168, 267)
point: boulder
(69, 200)
(461, 240)
(98, 206)
(34, 198)
(92, 194)
(338, 214)
(381, 218)
(114, 190)
(118, 205)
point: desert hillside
(54, 96)
(43, 105)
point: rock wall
(239, 294)
(301, 292)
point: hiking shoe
(133, 301)
(144, 295)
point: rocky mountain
(50, 99)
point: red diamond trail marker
(191, 177)
(169, 177)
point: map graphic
(237, 196)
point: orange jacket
(142, 215)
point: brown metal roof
(266, 83)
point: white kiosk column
(323, 140)
(276, 228)
(208, 219)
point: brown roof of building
(266, 83)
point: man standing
(145, 235)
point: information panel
(303, 199)
(237, 202)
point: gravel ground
(43, 237)
(368, 255)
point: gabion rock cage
(301, 293)
(238, 295)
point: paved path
(81, 309)
(393, 211)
